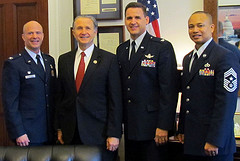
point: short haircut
(206, 13)
(136, 5)
(90, 17)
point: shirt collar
(202, 48)
(88, 52)
(32, 54)
(138, 41)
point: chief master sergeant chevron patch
(230, 80)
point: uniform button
(129, 101)
(187, 100)
(188, 87)
(129, 77)
(128, 89)
(187, 112)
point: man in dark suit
(90, 112)
(209, 95)
(27, 91)
(148, 73)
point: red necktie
(80, 72)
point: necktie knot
(195, 56)
(38, 58)
(83, 54)
(133, 44)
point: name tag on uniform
(30, 76)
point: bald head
(33, 36)
(31, 24)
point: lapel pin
(204, 55)
(51, 66)
(142, 47)
(19, 54)
(10, 58)
(29, 61)
(28, 72)
(94, 61)
(127, 47)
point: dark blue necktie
(133, 50)
(195, 57)
(39, 64)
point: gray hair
(95, 23)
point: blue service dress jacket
(27, 95)
(96, 110)
(149, 82)
(209, 96)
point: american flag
(152, 12)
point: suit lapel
(187, 62)
(124, 56)
(92, 66)
(70, 68)
(28, 59)
(201, 60)
(47, 66)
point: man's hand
(161, 136)
(59, 135)
(23, 140)
(211, 150)
(112, 143)
(181, 138)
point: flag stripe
(156, 28)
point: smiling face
(33, 36)
(200, 28)
(84, 32)
(136, 22)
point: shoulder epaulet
(47, 55)
(157, 39)
(15, 56)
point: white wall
(173, 18)
(60, 20)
